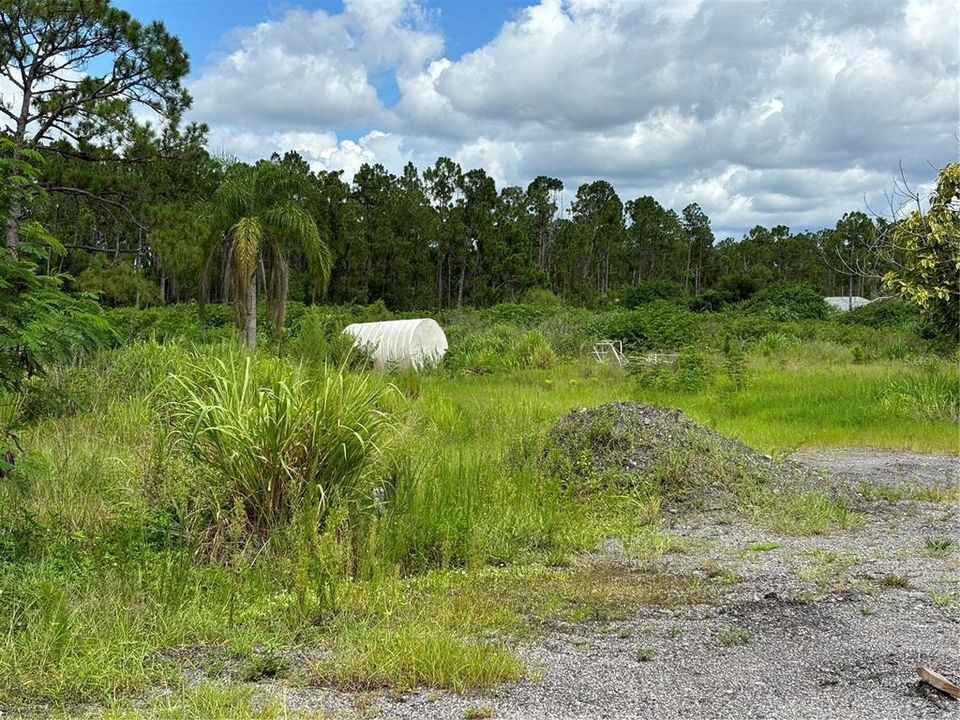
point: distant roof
(845, 302)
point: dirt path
(830, 626)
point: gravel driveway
(830, 626)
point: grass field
(156, 525)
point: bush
(931, 394)
(525, 315)
(888, 313)
(541, 297)
(114, 375)
(532, 351)
(789, 301)
(279, 441)
(571, 333)
(775, 343)
(656, 326)
(170, 322)
(318, 338)
(689, 372)
(709, 301)
(652, 290)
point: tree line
(437, 238)
(142, 213)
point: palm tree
(257, 219)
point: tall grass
(280, 441)
(399, 530)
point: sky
(785, 112)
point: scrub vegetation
(174, 503)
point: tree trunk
(251, 330)
(13, 227)
(439, 280)
(19, 138)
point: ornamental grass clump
(281, 441)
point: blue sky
(202, 25)
(762, 112)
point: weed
(761, 546)
(895, 494)
(938, 544)
(893, 580)
(280, 442)
(734, 636)
(829, 570)
(723, 575)
(263, 666)
(943, 599)
(795, 512)
(403, 658)
(477, 712)
(646, 654)
(209, 700)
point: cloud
(312, 68)
(780, 112)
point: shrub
(709, 301)
(932, 394)
(279, 442)
(774, 343)
(652, 290)
(184, 322)
(656, 326)
(483, 349)
(318, 338)
(116, 375)
(571, 333)
(789, 301)
(541, 297)
(526, 315)
(689, 372)
(532, 351)
(888, 313)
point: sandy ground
(830, 626)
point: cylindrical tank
(401, 343)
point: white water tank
(401, 343)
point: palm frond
(245, 240)
(293, 224)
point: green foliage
(651, 291)
(690, 371)
(318, 338)
(656, 326)
(40, 324)
(117, 283)
(882, 314)
(789, 302)
(933, 394)
(516, 314)
(928, 269)
(532, 351)
(281, 442)
(257, 218)
(186, 322)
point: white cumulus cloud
(776, 112)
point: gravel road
(830, 626)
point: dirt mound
(629, 444)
